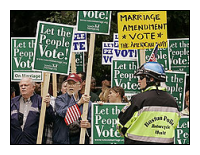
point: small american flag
(73, 113)
(153, 57)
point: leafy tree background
(24, 24)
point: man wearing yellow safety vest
(151, 116)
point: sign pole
(43, 107)
(73, 62)
(88, 82)
(142, 57)
(54, 77)
(42, 84)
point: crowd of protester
(63, 113)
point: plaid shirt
(49, 127)
(48, 133)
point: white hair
(30, 79)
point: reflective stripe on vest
(150, 139)
(153, 124)
(158, 108)
(154, 88)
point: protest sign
(52, 53)
(104, 120)
(79, 45)
(80, 42)
(162, 57)
(122, 74)
(179, 54)
(94, 21)
(176, 83)
(122, 54)
(79, 60)
(22, 51)
(142, 30)
(107, 53)
(182, 131)
(53, 47)
(110, 50)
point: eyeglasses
(142, 77)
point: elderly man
(25, 113)
(69, 107)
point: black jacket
(149, 98)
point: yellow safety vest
(152, 124)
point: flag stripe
(71, 114)
(69, 118)
(66, 120)
(75, 112)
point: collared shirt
(76, 100)
(24, 108)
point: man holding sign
(151, 116)
(69, 107)
(25, 113)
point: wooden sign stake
(54, 77)
(42, 85)
(142, 57)
(73, 62)
(88, 83)
(43, 107)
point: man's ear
(151, 79)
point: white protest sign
(110, 50)
(22, 51)
(122, 54)
(107, 53)
(80, 42)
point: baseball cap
(74, 77)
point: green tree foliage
(178, 24)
